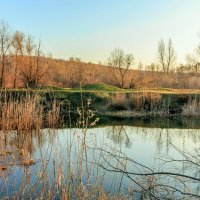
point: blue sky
(91, 29)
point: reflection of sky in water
(144, 145)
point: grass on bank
(106, 98)
(101, 87)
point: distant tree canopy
(23, 63)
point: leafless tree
(193, 63)
(30, 46)
(18, 48)
(166, 56)
(161, 54)
(161, 183)
(38, 74)
(152, 67)
(171, 56)
(5, 43)
(35, 65)
(120, 63)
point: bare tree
(171, 56)
(193, 63)
(37, 75)
(18, 48)
(5, 43)
(161, 54)
(152, 67)
(120, 63)
(30, 50)
(166, 56)
(34, 65)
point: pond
(137, 159)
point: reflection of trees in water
(177, 177)
(150, 180)
(177, 174)
(174, 178)
(119, 135)
(25, 142)
(162, 137)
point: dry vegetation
(71, 73)
(24, 64)
(192, 108)
(57, 182)
(26, 113)
(153, 103)
(79, 169)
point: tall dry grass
(53, 115)
(141, 101)
(60, 182)
(27, 113)
(192, 108)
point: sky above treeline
(91, 29)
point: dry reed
(27, 113)
(192, 108)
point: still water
(143, 160)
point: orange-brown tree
(34, 65)
(120, 63)
(18, 48)
(5, 43)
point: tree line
(23, 56)
(24, 63)
(166, 63)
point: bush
(192, 108)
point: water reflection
(162, 137)
(118, 135)
(116, 157)
(154, 122)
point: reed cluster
(136, 101)
(27, 112)
(58, 172)
(192, 108)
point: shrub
(192, 108)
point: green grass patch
(104, 88)
(50, 88)
(104, 96)
(99, 87)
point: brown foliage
(69, 74)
